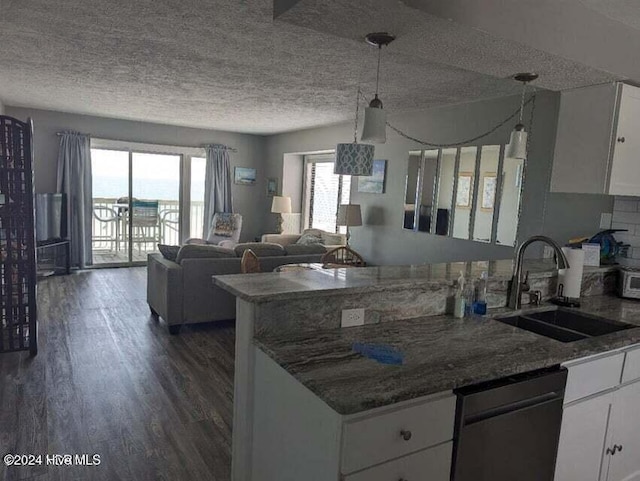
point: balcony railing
(110, 225)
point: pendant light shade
(517, 148)
(354, 159)
(375, 125)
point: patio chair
(145, 223)
(108, 226)
(169, 224)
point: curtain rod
(230, 149)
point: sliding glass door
(136, 205)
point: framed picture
(489, 183)
(272, 186)
(465, 186)
(244, 176)
(375, 183)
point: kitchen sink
(565, 325)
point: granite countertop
(440, 353)
(325, 282)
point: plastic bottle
(480, 304)
(458, 303)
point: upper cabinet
(598, 141)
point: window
(324, 192)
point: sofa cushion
(195, 251)
(169, 252)
(261, 249)
(302, 249)
(309, 239)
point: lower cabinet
(583, 435)
(600, 435)
(433, 464)
(623, 450)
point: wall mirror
(469, 193)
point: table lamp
(349, 215)
(281, 205)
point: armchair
(221, 240)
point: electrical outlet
(605, 220)
(352, 317)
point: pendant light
(517, 148)
(375, 118)
(354, 158)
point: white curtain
(217, 185)
(74, 180)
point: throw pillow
(308, 239)
(261, 249)
(303, 250)
(225, 225)
(196, 251)
(169, 252)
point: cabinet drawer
(378, 438)
(593, 376)
(433, 464)
(631, 370)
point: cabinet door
(582, 437)
(624, 465)
(583, 139)
(625, 165)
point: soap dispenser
(480, 303)
(458, 304)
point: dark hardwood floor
(110, 380)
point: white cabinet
(597, 147)
(297, 437)
(600, 434)
(624, 464)
(583, 434)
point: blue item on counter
(480, 308)
(381, 353)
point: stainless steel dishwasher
(508, 430)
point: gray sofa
(182, 292)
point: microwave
(629, 283)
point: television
(51, 221)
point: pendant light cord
(464, 141)
(524, 91)
(378, 70)
(355, 125)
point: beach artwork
(244, 176)
(374, 184)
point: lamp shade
(517, 148)
(281, 205)
(354, 159)
(349, 215)
(375, 125)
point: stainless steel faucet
(517, 286)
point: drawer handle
(406, 434)
(621, 140)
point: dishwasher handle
(515, 406)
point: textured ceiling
(226, 64)
(623, 11)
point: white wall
(247, 199)
(383, 241)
